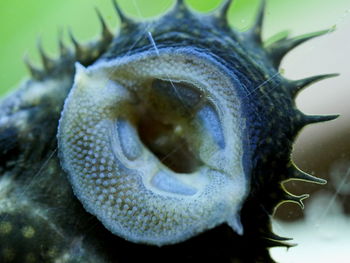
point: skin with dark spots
(41, 220)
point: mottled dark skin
(38, 196)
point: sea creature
(171, 139)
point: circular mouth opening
(165, 126)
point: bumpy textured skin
(40, 218)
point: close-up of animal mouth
(169, 141)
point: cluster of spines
(275, 52)
(82, 53)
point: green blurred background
(23, 22)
